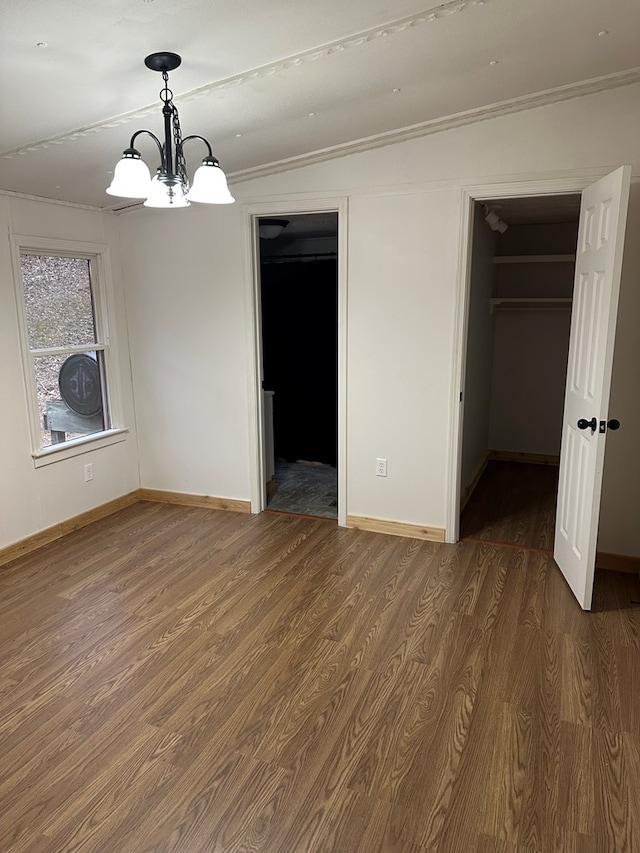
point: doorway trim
(468, 197)
(281, 208)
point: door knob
(614, 423)
(583, 424)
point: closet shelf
(551, 303)
(534, 259)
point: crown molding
(439, 125)
(42, 198)
(355, 40)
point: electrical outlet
(381, 467)
(88, 472)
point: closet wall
(533, 263)
(479, 361)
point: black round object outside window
(80, 385)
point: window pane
(70, 396)
(58, 301)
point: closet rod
(302, 256)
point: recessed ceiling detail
(357, 40)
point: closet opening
(519, 319)
(298, 307)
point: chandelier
(169, 187)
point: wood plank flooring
(182, 679)
(514, 503)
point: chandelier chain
(166, 96)
(181, 164)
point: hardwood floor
(182, 679)
(514, 503)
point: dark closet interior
(299, 310)
(299, 336)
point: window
(66, 345)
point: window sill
(69, 449)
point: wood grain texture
(187, 499)
(396, 528)
(181, 679)
(57, 531)
(513, 503)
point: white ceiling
(253, 72)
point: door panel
(595, 304)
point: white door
(603, 216)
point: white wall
(531, 347)
(188, 339)
(400, 316)
(550, 238)
(528, 380)
(187, 286)
(33, 499)
(479, 358)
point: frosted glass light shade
(131, 178)
(210, 185)
(162, 194)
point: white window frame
(104, 314)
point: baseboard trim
(618, 563)
(50, 534)
(468, 490)
(396, 528)
(604, 560)
(44, 537)
(187, 499)
(515, 456)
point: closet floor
(514, 503)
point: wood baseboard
(515, 456)
(604, 560)
(187, 499)
(468, 490)
(57, 531)
(396, 528)
(618, 563)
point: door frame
(282, 208)
(469, 195)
